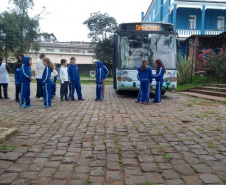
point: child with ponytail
(160, 71)
(46, 81)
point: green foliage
(167, 157)
(100, 26)
(18, 32)
(104, 51)
(183, 69)
(214, 63)
(6, 147)
(9, 33)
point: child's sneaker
(31, 105)
(44, 106)
(22, 106)
(41, 98)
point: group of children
(70, 79)
(145, 77)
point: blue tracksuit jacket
(47, 84)
(101, 73)
(25, 75)
(145, 78)
(74, 78)
(159, 82)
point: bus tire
(119, 92)
(163, 92)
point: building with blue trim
(190, 17)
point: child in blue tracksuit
(160, 70)
(17, 80)
(25, 79)
(74, 80)
(145, 77)
(46, 81)
(101, 74)
(54, 76)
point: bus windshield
(134, 48)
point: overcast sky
(65, 17)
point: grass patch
(200, 129)
(116, 142)
(87, 182)
(4, 146)
(145, 183)
(167, 157)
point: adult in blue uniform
(101, 74)
(145, 77)
(160, 70)
(74, 79)
(25, 78)
(46, 81)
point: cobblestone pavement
(115, 142)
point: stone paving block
(149, 167)
(58, 182)
(82, 169)
(184, 169)
(20, 182)
(97, 171)
(175, 182)
(153, 177)
(133, 180)
(28, 174)
(66, 167)
(170, 174)
(210, 178)
(62, 175)
(5, 164)
(194, 180)
(115, 175)
(47, 172)
(7, 178)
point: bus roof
(139, 27)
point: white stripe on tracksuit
(21, 92)
(24, 72)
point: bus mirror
(178, 43)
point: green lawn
(196, 81)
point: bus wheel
(119, 92)
(163, 92)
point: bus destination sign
(144, 27)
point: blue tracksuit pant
(25, 93)
(139, 95)
(53, 88)
(99, 89)
(158, 92)
(144, 91)
(77, 86)
(47, 93)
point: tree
(104, 50)
(19, 32)
(101, 27)
(9, 33)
